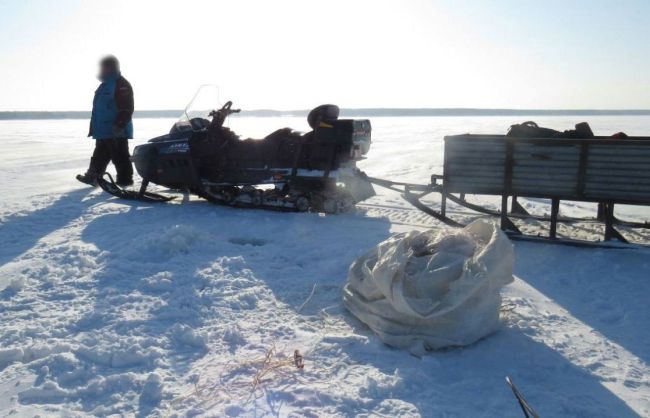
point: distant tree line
(388, 112)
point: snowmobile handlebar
(225, 110)
(219, 116)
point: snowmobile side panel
(168, 163)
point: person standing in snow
(111, 125)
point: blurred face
(105, 71)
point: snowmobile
(286, 170)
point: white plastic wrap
(432, 289)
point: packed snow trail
(110, 307)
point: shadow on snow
(292, 252)
(19, 233)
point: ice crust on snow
(117, 308)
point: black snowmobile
(285, 170)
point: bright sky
(294, 54)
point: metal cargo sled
(601, 170)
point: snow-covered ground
(109, 307)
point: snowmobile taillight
(361, 135)
(278, 177)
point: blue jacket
(112, 109)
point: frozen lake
(109, 307)
(410, 149)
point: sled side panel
(618, 172)
(549, 169)
(475, 165)
(597, 170)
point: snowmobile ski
(107, 184)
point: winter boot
(88, 178)
(124, 182)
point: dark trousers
(115, 150)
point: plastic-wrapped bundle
(432, 289)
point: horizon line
(370, 111)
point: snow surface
(110, 307)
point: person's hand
(118, 132)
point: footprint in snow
(255, 242)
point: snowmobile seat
(283, 146)
(276, 150)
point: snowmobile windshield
(197, 111)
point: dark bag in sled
(531, 130)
